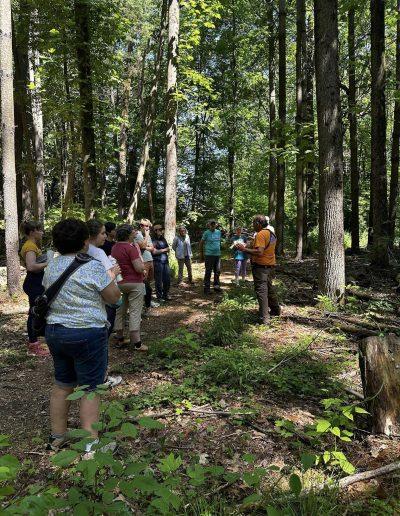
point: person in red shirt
(129, 258)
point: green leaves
(129, 430)
(295, 484)
(152, 424)
(170, 463)
(64, 458)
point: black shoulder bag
(43, 302)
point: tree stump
(380, 374)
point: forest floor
(225, 388)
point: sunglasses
(144, 225)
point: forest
(183, 112)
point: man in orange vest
(263, 263)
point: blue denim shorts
(79, 355)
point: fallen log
(380, 375)
(367, 475)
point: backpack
(42, 303)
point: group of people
(117, 267)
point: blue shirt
(160, 243)
(79, 303)
(239, 255)
(212, 242)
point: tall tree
(272, 111)
(8, 147)
(232, 119)
(331, 230)
(172, 130)
(82, 13)
(354, 171)
(378, 135)
(394, 172)
(37, 114)
(150, 116)
(301, 58)
(281, 167)
(123, 132)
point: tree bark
(354, 171)
(172, 130)
(380, 254)
(379, 359)
(82, 9)
(311, 203)
(281, 167)
(150, 117)
(123, 133)
(232, 123)
(301, 57)
(394, 172)
(37, 117)
(272, 113)
(8, 148)
(71, 162)
(331, 232)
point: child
(239, 256)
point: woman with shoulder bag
(76, 330)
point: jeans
(162, 275)
(33, 288)
(181, 263)
(79, 354)
(240, 268)
(213, 264)
(265, 292)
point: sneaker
(141, 348)
(154, 304)
(89, 452)
(113, 381)
(217, 288)
(56, 443)
(119, 342)
(37, 350)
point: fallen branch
(367, 475)
(354, 393)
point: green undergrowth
(226, 360)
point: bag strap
(270, 233)
(52, 292)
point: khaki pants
(265, 292)
(181, 263)
(132, 298)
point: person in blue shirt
(239, 256)
(162, 272)
(210, 252)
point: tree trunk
(123, 133)
(378, 135)
(281, 168)
(379, 359)
(37, 117)
(82, 8)
(394, 173)
(331, 232)
(172, 130)
(8, 148)
(71, 162)
(301, 57)
(272, 113)
(232, 123)
(27, 166)
(354, 172)
(150, 117)
(311, 204)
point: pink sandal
(36, 349)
